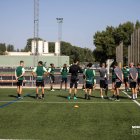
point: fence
(134, 48)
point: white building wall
(33, 47)
(46, 47)
(57, 48)
(40, 47)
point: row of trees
(82, 54)
(107, 41)
(4, 47)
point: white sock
(133, 96)
(136, 95)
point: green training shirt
(19, 71)
(125, 72)
(51, 70)
(64, 72)
(113, 74)
(138, 69)
(40, 72)
(89, 73)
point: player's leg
(89, 91)
(65, 83)
(101, 88)
(61, 83)
(52, 82)
(42, 88)
(117, 93)
(75, 89)
(37, 87)
(135, 90)
(86, 90)
(70, 90)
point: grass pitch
(56, 118)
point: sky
(81, 19)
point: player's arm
(118, 76)
(16, 75)
(45, 71)
(34, 72)
(136, 77)
(49, 70)
(23, 72)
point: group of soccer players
(130, 76)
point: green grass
(55, 118)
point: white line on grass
(42, 102)
(130, 98)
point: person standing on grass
(113, 83)
(103, 80)
(39, 72)
(119, 80)
(51, 76)
(19, 75)
(64, 73)
(133, 75)
(138, 81)
(89, 76)
(125, 71)
(74, 70)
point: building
(11, 59)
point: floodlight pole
(36, 30)
(59, 21)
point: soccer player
(51, 76)
(19, 75)
(89, 76)
(84, 77)
(125, 76)
(118, 81)
(64, 73)
(138, 81)
(133, 75)
(74, 70)
(39, 72)
(103, 80)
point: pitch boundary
(130, 98)
(42, 102)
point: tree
(2, 48)
(107, 41)
(10, 48)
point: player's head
(21, 63)
(131, 64)
(76, 61)
(103, 65)
(40, 63)
(115, 64)
(138, 65)
(52, 65)
(65, 65)
(124, 65)
(90, 65)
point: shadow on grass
(13, 96)
(62, 96)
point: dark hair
(115, 64)
(21, 61)
(90, 65)
(40, 62)
(138, 64)
(75, 61)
